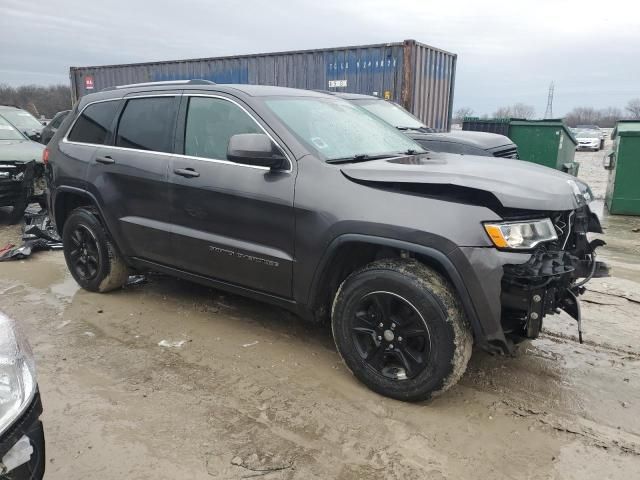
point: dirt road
(245, 390)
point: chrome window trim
(65, 139)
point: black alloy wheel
(91, 255)
(391, 336)
(400, 328)
(84, 255)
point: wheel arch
(331, 265)
(68, 199)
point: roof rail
(168, 82)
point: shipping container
(419, 77)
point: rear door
(232, 222)
(130, 175)
(91, 128)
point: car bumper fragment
(25, 437)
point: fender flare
(77, 191)
(434, 254)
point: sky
(508, 51)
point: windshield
(335, 129)
(21, 119)
(587, 134)
(391, 113)
(8, 131)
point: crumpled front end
(512, 291)
(20, 183)
(553, 277)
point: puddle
(65, 289)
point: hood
(20, 150)
(515, 183)
(482, 140)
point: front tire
(90, 254)
(401, 330)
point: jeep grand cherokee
(306, 201)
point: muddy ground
(248, 390)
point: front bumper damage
(513, 291)
(553, 277)
(21, 183)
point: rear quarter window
(94, 123)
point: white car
(589, 140)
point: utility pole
(549, 112)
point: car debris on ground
(38, 233)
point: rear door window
(211, 122)
(94, 123)
(148, 124)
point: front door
(232, 222)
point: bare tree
(633, 107)
(609, 117)
(517, 110)
(46, 101)
(503, 112)
(583, 116)
(522, 110)
(461, 113)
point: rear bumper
(28, 425)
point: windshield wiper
(416, 129)
(361, 157)
(412, 151)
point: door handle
(106, 160)
(186, 172)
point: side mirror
(255, 149)
(35, 136)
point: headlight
(581, 191)
(17, 373)
(521, 235)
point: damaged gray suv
(305, 201)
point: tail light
(45, 156)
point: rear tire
(401, 330)
(90, 254)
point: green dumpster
(546, 142)
(623, 188)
